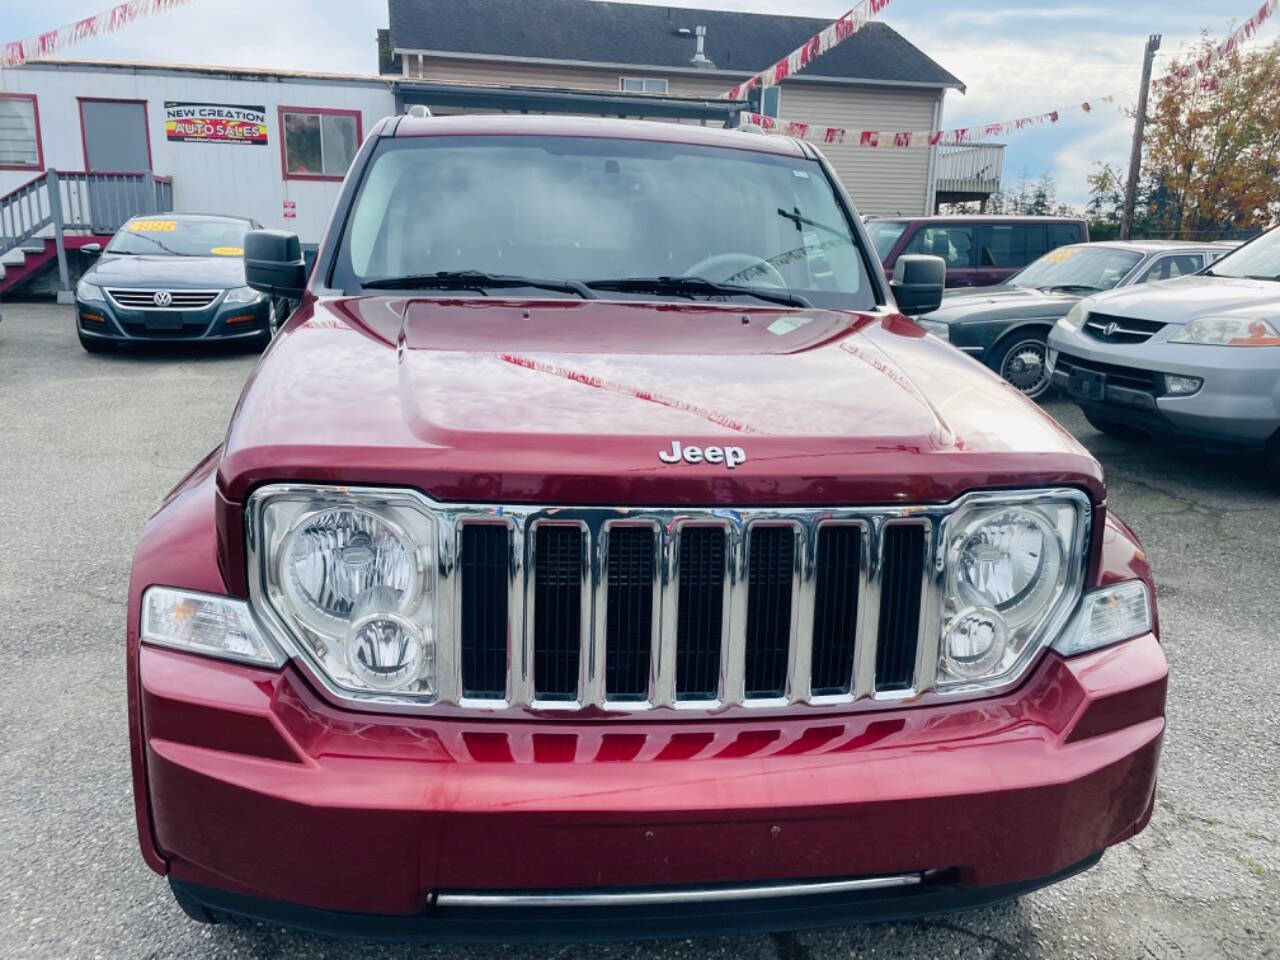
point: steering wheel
(738, 268)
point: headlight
(1075, 316)
(1106, 616)
(1229, 332)
(219, 627)
(938, 328)
(350, 575)
(1013, 572)
(243, 295)
(88, 291)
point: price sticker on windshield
(1061, 255)
(227, 252)
(153, 226)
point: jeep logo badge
(729, 456)
(163, 298)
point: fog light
(1179, 386)
(975, 642)
(386, 651)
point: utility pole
(1139, 125)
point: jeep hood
(1187, 298)
(571, 401)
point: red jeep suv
(599, 552)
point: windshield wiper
(694, 286)
(1259, 277)
(476, 280)
(796, 217)
(1071, 287)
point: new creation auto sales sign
(215, 123)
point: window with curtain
(319, 144)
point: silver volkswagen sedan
(1197, 358)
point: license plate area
(1087, 385)
(163, 320)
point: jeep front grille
(565, 609)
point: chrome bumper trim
(638, 898)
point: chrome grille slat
(135, 299)
(723, 620)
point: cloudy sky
(1016, 58)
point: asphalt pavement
(88, 447)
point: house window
(20, 133)
(318, 144)
(771, 101)
(642, 85)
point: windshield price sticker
(227, 252)
(153, 226)
(1061, 255)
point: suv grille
(1109, 329)
(628, 610)
(179, 299)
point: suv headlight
(1075, 316)
(1013, 573)
(350, 576)
(243, 295)
(1229, 332)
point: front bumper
(1238, 405)
(262, 799)
(105, 320)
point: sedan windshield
(178, 237)
(1078, 267)
(1258, 260)
(609, 217)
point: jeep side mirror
(92, 248)
(273, 263)
(918, 282)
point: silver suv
(1195, 358)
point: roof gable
(591, 31)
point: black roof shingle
(593, 31)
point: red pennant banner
(813, 48)
(904, 139)
(52, 42)
(1245, 32)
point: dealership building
(84, 144)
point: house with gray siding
(876, 80)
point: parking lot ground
(90, 444)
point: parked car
(1007, 326)
(1195, 359)
(599, 552)
(980, 251)
(172, 277)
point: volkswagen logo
(1110, 329)
(163, 298)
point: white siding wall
(208, 177)
(885, 180)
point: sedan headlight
(88, 291)
(350, 576)
(938, 328)
(1229, 332)
(1012, 574)
(243, 295)
(1075, 316)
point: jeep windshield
(1078, 269)
(626, 219)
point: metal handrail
(81, 201)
